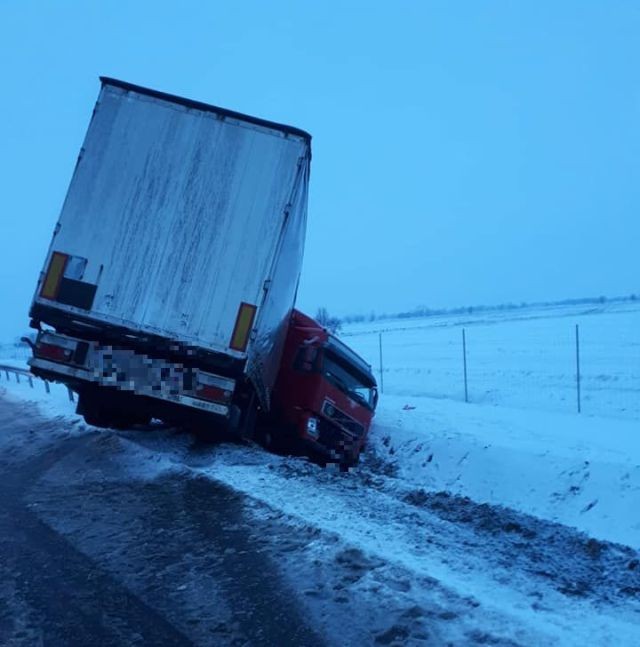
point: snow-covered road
(219, 540)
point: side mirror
(307, 359)
(310, 354)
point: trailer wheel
(89, 408)
(99, 411)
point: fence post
(578, 366)
(70, 394)
(30, 381)
(464, 364)
(381, 376)
(46, 386)
(17, 377)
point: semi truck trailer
(169, 286)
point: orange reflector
(51, 284)
(242, 329)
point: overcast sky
(464, 152)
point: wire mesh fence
(568, 362)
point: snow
(580, 471)
(55, 403)
(545, 460)
(524, 475)
(522, 358)
(484, 568)
(384, 526)
(519, 442)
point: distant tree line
(425, 311)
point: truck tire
(276, 438)
(101, 411)
(89, 408)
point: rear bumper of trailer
(80, 363)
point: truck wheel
(276, 439)
(101, 412)
(90, 410)
(92, 417)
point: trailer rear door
(174, 217)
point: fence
(7, 371)
(588, 364)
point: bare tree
(332, 324)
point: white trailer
(178, 248)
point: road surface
(55, 593)
(152, 537)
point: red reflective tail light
(55, 353)
(213, 393)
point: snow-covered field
(523, 358)
(519, 442)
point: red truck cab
(325, 395)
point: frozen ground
(363, 557)
(543, 458)
(581, 471)
(472, 523)
(519, 442)
(446, 568)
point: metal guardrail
(21, 372)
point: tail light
(56, 353)
(55, 348)
(214, 388)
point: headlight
(312, 427)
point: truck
(169, 286)
(324, 397)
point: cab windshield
(341, 375)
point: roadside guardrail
(8, 370)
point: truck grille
(342, 419)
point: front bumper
(332, 442)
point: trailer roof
(198, 105)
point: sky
(463, 152)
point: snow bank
(577, 470)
